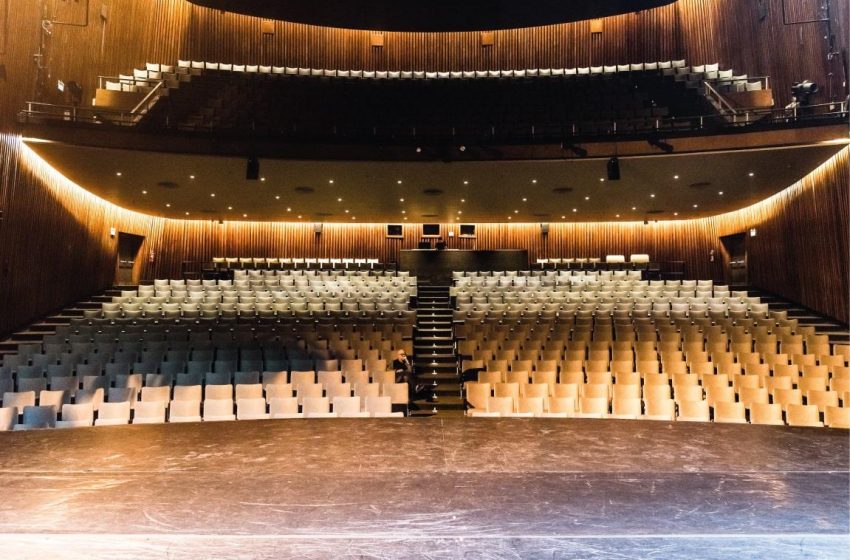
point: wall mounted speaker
(317, 228)
(252, 169)
(544, 229)
(614, 169)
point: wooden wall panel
(135, 31)
(801, 249)
(55, 246)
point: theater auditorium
(424, 279)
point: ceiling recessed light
(167, 205)
(563, 217)
(339, 199)
(575, 209)
(331, 181)
(212, 194)
(652, 195)
(404, 211)
(346, 211)
(524, 199)
(405, 217)
(675, 176)
(466, 182)
(299, 216)
(516, 211)
(262, 179)
(460, 212)
(399, 181)
(187, 213)
(118, 173)
(720, 193)
(696, 205)
(534, 181)
(463, 200)
(602, 179)
(191, 176)
(353, 217)
(277, 197)
(401, 200)
(289, 209)
(144, 192)
(587, 198)
(244, 215)
(618, 215)
(230, 207)
(751, 174)
(675, 213)
(509, 217)
(634, 207)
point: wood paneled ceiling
(663, 187)
(432, 15)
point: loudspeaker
(544, 229)
(613, 169)
(317, 228)
(252, 170)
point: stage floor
(426, 488)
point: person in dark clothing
(403, 368)
(440, 245)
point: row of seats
(208, 410)
(799, 415)
(634, 258)
(678, 66)
(339, 265)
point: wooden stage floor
(426, 488)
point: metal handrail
(720, 99)
(146, 98)
(743, 117)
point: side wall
(55, 246)
(735, 33)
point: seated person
(441, 244)
(403, 368)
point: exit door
(735, 246)
(128, 266)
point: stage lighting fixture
(614, 169)
(802, 91)
(252, 170)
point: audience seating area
(268, 344)
(268, 295)
(608, 344)
(319, 103)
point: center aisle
(434, 353)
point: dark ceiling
(432, 15)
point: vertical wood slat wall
(135, 31)
(55, 246)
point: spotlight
(252, 170)
(802, 91)
(614, 169)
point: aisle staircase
(435, 359)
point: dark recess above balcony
(432, 15)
